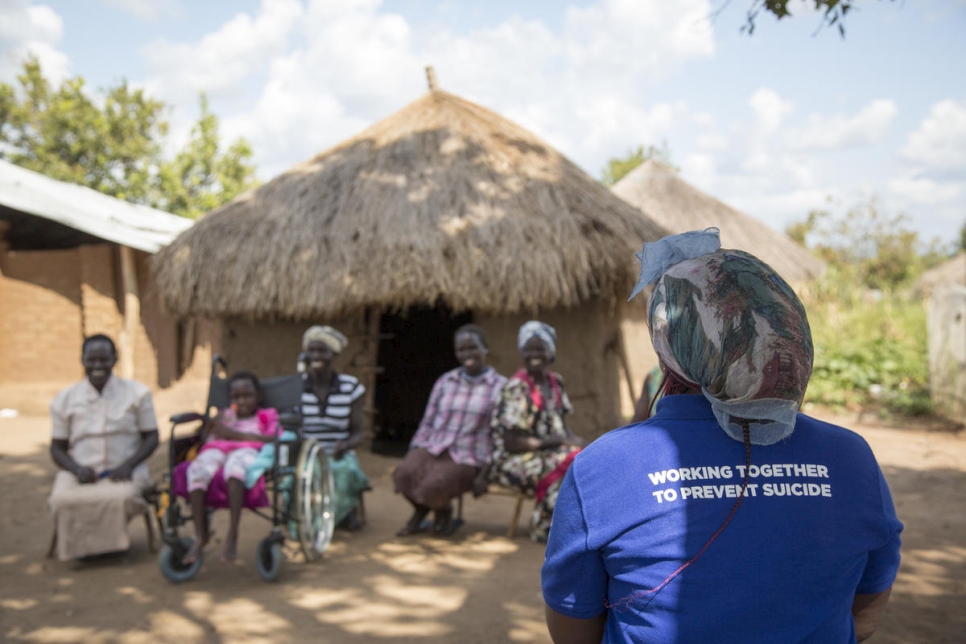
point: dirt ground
(477, 586)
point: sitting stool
(520, 496)
(499, 490)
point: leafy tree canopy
(619, 167)
(876, 249)
(113, 144)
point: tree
(200, 179)
(833, 12)
(873, 247)
(114, 145)
(63, 134)
(619, 167)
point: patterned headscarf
(537, 329)
(327, 335)
(727, 322)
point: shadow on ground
(477, 586)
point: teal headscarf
(726, 322)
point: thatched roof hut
(678, 206)
(441, 214)
(442, 201)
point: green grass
(870, 348)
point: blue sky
(787, 120)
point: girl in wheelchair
(234, 438)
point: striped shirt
(457, 417)
(331, 424)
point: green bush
(870, 346)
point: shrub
(870, 346)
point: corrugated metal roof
(85, 209)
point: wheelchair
(297, 497)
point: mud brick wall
(40, 316)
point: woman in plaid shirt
(451, 450)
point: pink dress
(220, 460)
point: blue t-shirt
(817, 526)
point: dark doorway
(416, 350)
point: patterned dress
(517, 411)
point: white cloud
(770, 109)
(346, 64)
(711, 142)
(931, 185)
(868, 127)
(352, 69)
(637, 37)
(935, 206)
(780, 208)
(149, 10)
(611, 120)
(925, 191)
(585, 88)
(315, 72)
(220, 62)
(750, 165)
(27, 30)
(938, 145)
(777, 168)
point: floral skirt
(524, 472)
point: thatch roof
(678, 206)
(444, 201)
(946, 274)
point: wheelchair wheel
(171, 564)
(314, 505)
(268, 558)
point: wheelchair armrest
(290, 420)
(186, 417)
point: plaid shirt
(457, 417)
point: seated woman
(235, 436)
(638, 555)
(103, 431)
(452, 446)
(532, 444)
(332, 414)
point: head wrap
(725, 321)
(327, 335)
(537, 329)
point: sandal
(441, 523)
(351, 523)
(410, 529)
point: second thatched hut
(441, 214)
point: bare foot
(230, 553)
(194, 551)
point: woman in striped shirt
(332, 414)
